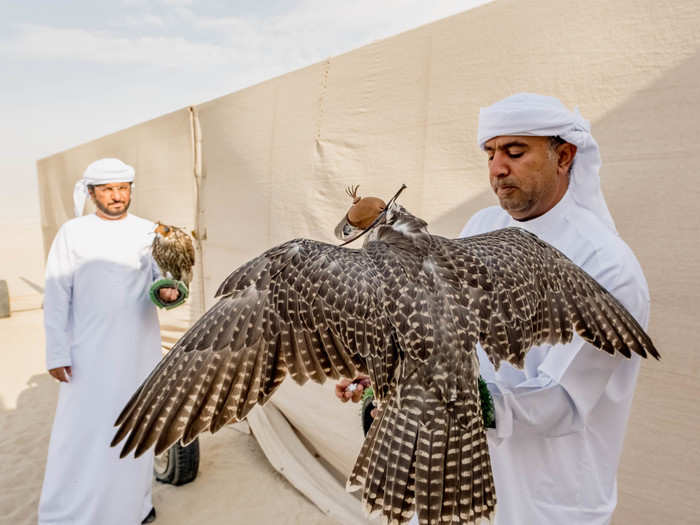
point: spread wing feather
(305, 308)
(314, 311)
(526, 293)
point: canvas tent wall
(270, 162)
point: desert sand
(236, 484)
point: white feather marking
(402, 227)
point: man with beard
(561, 421)
(102, 340)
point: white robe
(560, 422)
(99, 320)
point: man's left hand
(351, 390)
(168, 295)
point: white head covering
(538, 115)
(101, 171)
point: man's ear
(566, 152)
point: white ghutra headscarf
(537, 115)
(101, 171)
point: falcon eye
(167, 230)
(347, 229)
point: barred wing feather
(305, 308)
(528, 293)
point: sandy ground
(236, 484)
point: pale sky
(75, 70)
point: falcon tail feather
(440, 471)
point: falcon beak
(344, 230)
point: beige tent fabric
(270, 162)
(289, 456)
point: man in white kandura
(102, 340)
(560, 422)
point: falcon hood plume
(408, 308)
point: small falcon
(173, 252)
(408, 309)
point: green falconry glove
(168, 283)
(487, 409)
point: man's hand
(345, 389)
(62, 373)
(168, 295)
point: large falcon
(408, 309)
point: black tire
(178, 465)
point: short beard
(512, 205)
(109, 212)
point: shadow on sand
(24, 442)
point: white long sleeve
(156, 274)
(58, 297)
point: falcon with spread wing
(408, 309)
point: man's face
(527, 175)
(112, 199)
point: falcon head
(360, 216)
(163, 230)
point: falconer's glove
(487, 410)
(168, 283)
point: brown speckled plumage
(173, 252)
(408, 309)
